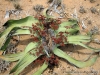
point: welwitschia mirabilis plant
(48, 34)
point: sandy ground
(90, 18)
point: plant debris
(57, 7)
(4, 65)
(38, 8)
(11, 49)
(94, 30)
(14, 12)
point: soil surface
(86, 10)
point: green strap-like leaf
(12, 57)
(41, 70)
(31, 46)
(4, 36)
(74, 28)
(17, 56)
(77, 63)
(28, 21)
(70, 31)
(26, 59)
(22, 32)
(88, 47)
(6, 44)
(68, 23)
(78, 38)
(23, 63)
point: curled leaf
(79, 39)
(73, 61)
(88, 47)
(11, 24)
(45, 13)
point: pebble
(92, 1)
(82, 10)
(89, 22)
(93, 10)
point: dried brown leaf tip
(38, 8)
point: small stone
(94, 30)
(93, 10)
(17, 6)
(82, 10)
(54, 73)
(89, 22)
(92, 1)
(97, 4)
(7, 15)
(50, 1)
(38, 8)
(97, 41)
